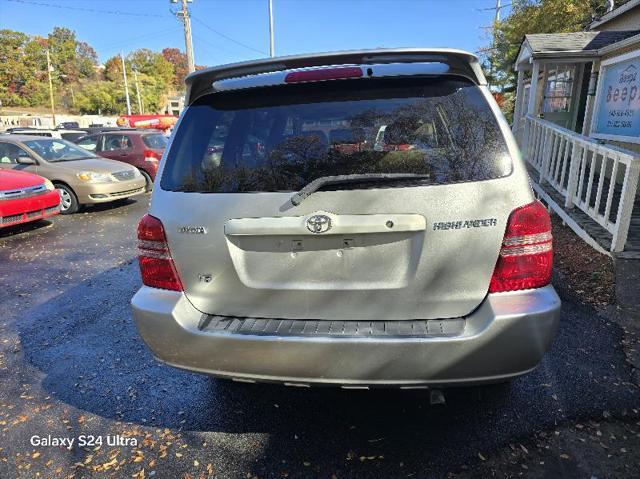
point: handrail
(599, 179)
(586, 139)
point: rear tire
(149, 182)
(68, 199)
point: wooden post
(625, 207)
(53, 109)
(526, 138)
(546, 153)
(533, 92)
(591, 96)
(517, 113)
(574, 167)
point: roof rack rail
(459, 61)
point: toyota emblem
(318, 224)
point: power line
(123, 43)
(494, 8)
(218, 47)
(91, 10)
(209, 44)
(227, 36)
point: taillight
(151, 155)
(156, 265)
(526, 256)
(323, 74)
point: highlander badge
(318, 224)
(192, 230)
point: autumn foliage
(80, 83)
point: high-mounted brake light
(320, 74)
(156, 264)
(526, 256)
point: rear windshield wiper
(318, 183)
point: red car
(26, 197)
(140, 148)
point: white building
(577, 119)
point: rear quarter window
(155, 141)
(284, 137)
(71, 136)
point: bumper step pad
(328, 328)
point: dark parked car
(71, 125)
(142, 149)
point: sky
(226, 31)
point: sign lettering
(619, 101)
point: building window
(525, 98)
(558, 88)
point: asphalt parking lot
(71, 365)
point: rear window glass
(155, 141)
(284, 138)
(34, 133)
(55, 151)
(72, 136)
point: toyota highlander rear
(289, 240)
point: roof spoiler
(460, 62)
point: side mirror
(26, 160)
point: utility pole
(183, 15)
(135, 76)
(126, 85)
(492, 58)
(271, 47)
(49, 68)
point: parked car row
(63, 134)
(140, 148)
(42, 173)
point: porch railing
(601, 180)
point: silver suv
(289, 240)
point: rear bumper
(504, 338)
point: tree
(73, 60)
(113, 69)
(155, 76)
(153, 91)
(153, 64)
(87, 60)
(180, 65)
(104, 97)
(14, 72)
(23, 73)
(532, 16)
(24, 67)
